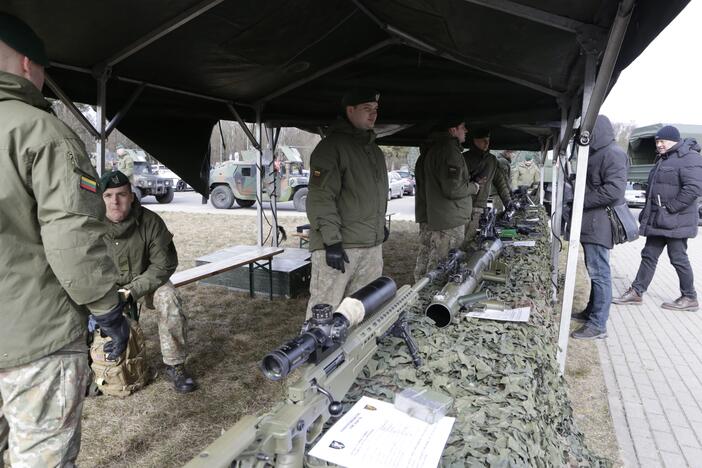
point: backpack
(126, 375)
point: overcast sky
(664, 84)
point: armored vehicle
(147, 182)
(235, 181)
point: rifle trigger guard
(335, 407)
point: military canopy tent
(170, 69)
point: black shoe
(588, 332)
(182, 382)
(581, 317)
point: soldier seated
(142, 249)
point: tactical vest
(126, 375)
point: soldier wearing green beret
(447, 188)
(346, 203)
(483, 167)
(143, 251)
(55, 263)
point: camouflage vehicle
(235, 181)
(147, 182)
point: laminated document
(375, 434)
(520, 314)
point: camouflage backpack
(126, 375)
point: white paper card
(520, 314)
(524, 243)
(374, 434)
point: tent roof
(503, 63)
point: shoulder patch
(89, 184)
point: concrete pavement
(652, 364)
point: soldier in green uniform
(346, 203)
(143, 251)
(482, 166)
(527, 173)
(55, 264)
(504, 164)
(448, 190)
(125, 162)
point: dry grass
(228, 335)
(586, 387)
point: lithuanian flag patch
(86, 183)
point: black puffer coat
(605, 183)
(677, 179)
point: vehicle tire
(166, 197)
(402, 193)
(413, 190)
(137, 193)
(180, 186)
(244, 203)
(222, 197)
(300, 199)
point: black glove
(386, 233)
(336, 256)
(114, 325)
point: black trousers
(677, 252)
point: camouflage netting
(510, 401)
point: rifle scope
(325, 331)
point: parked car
(635, 195)
(396, 186)
(409, 185)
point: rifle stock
(279, 438)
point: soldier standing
(504, 164)
(527, 173)
(125, 162)
(448, 190)
(346, 203)
(143, 252)
(482, 166)
(56, 266)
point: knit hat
(18, 35)
(113, 179)
(669, 133)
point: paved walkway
(652, 364)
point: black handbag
(625, 228)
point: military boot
(682, 303)
(630, 297)
(182, 381)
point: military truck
(147, 182)
(235, 181)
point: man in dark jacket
(346, 203)
(669, 217)
(447, 191)
(605, 186)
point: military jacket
(54, 260)
(420, 198)
(449, 188)
(484, 164)
(126, 165)
(143, 251)
(348, 189)
(505, 166)
(525, 175)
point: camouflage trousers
(440, 242)
(473, 225)
(420, 268)
(330, 286)
(172, 323)
(41, 405)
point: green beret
(357, 96)
(18, 35)
(481, 132)
(528, 157)
(113, 179)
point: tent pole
(556, 200)
(259, 169)
(272, 139)
(123, 111)
(63, 97)
(102, 119)
(544, 152)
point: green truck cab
(235, 181)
